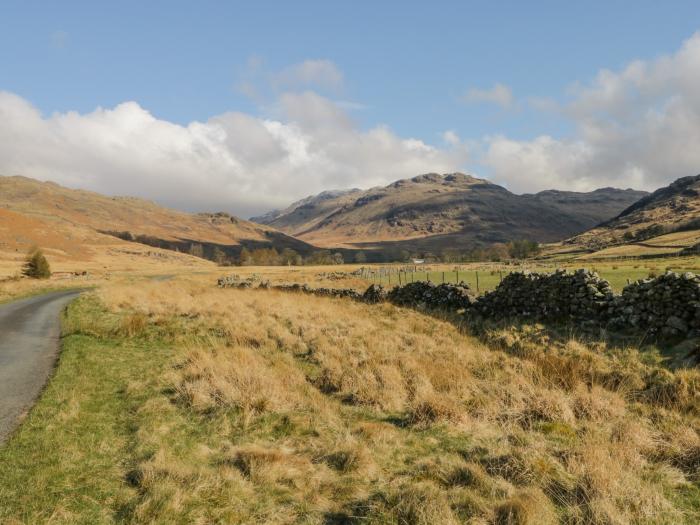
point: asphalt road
(29, 342)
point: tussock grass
(266, 407)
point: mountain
(669, 210)
(434, 212)
(76, 225)
(314, 206)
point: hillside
(310, 209)
(671, 214)
(79, 226)
(435, 212)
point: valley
(349, 263)
(267, 403)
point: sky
(246, 106)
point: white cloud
(310, 73)
(638, 127)
(499, 94)
(544, 104)
(451, 138)
(234, 162)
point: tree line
(36, 266)
(287, 257)
(517, 249)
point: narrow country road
(29, 340)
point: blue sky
(418, 69)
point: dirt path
(29, 340)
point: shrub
(36, 266)
(523, 248)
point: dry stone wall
(668, 305)
(427, 295)
(665, 306)
(582, 296)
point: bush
(522, 249)
(322, 257)
(36, 266)
(360, 257)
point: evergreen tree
(36, 266)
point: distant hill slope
(312, 208)
(434, 212)
(670, 209)
(77, 224)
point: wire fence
(479, 280)
(484, 278)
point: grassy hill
(85, 227)
(434, 212)
(664, 221)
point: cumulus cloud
(499, 94)
(637, 127)
(235, 162)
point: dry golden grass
(328, 411)
(15, 288)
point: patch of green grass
(68, 460)
(488, 275)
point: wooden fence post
(477, 280)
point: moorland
(176, 401)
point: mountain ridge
(668, 209)
(430, 210)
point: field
(489, 275)
(178, 402)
